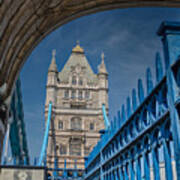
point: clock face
(22, 175)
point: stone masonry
(77, 95)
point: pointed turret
(103, 82)
(52, 80)
(102, 66)
(53, 66)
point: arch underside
(25, 23)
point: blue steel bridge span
(144, 136)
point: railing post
(138, 168)
(146, 166)
(131, 169)
(116, 174)
(155, 164)
(170, 32)
(174, 118)
(120, 173)
(101, 161)
(126, 177)
(167, 159)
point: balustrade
(136, 145)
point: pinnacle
(53, 66)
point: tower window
(80, 81)
(62, 149)
(80, 94)
(87, 94)
(60, 125)
(66, 94)
(74, 81)
(75, 147)
(91, 126)
(73, 95)
(76, 123)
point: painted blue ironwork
(149, 81)
(106, 120)
(75, 174)
(17, 134)
(128, 107)
(134, 100)
(55, 172)
(159, 68)
(149, 128)
(45, 141)
(123, 114)
(65, 171)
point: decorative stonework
(77, 94)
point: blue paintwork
(170, 33)
(123, 114)
(45, 141)
(159, 68)
(140, 91)
(55, 172)
(131, 168)
(146, 166)
(65, 171)
(128, 107)
(134, 100)
(106, 120)
(149, 81)
(168, 160)
(145, 128)
(155, 158)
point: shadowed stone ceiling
(24, 23)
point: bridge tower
(77, 95)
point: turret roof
(102, 66)
(53, 66)
(76, 58)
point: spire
(53, 66)
(78, 48)
(102, 66)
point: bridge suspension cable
(45, 141)
(106, 120)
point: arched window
(74, 80)
(80, 81)
(76, 123)
(80, 94)
(75, 147)
(60, 125)
(66, 93)
(73, 94)
(62, 149)
(87, 94)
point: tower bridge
(141, 142)
(143, 139)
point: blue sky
(126, 36)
